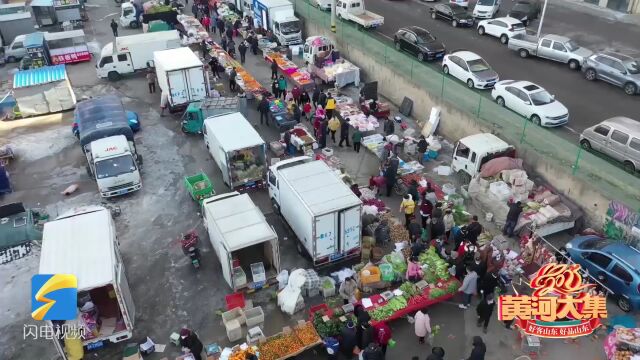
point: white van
(618, 137)
(16, 51)
(486, 9)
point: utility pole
(333, 15)
(544, 10)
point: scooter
(189, 243)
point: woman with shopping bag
(422, 326)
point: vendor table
(283, 120)
(298, 76)
(383, 111)
(247, 82)
(341, 73)
(194, 30)
(378, 301)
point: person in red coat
(296, 92)
(382, 333)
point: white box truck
(242, 239)
(237, 149)
(278, 16)
(322, 211)
(182, 76)
(132, 53)
(83, 243)
(107, 142)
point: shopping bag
(391, 344)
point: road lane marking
(386, 36)
(570, 129)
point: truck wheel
(134, 24)
(523, 53)
(276, 208)
(139, 158)
(88, 168)
(574, 64)
(629, 167)
(113, 76)
(11, 59)
(586, 145)
(464, 177)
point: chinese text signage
(559, 306)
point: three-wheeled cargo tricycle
(198, 111)
(199, 186)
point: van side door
(618, 144)
(599, 138)
(633, 152)
(274, 193)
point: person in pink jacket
(422, 326)
(414, 270)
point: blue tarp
(39, 76)
(101, 117)
(35, 39)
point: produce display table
(341, 73)
(298, 76)
(413, 304)
(302, 139)
(245, 80)
(406, 179)
(290, 342)
(194, 30)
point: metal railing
(605, 174)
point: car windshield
(424, 38)
(115, 166)
(521, 7)
(290, 27)
(571, 46)
(632, 66)
(478, 65)
(486, 2)
(594, 244)
(458, 10)
(541, 98)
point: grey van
(618, 137)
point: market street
(588, 102)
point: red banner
(71, 58)
(585, 327)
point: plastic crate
(323, 308)
(233, 314)
(254, 335)
(235, 300)
(313, 281)
(254, 316)
(257, 272)
(374, 275)
(234, 330)
(239, 277)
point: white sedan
(503, 28)
(531, 101)
(470, 68)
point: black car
(419, 42)
(456, 14)
(525, 11)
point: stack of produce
(397, 262)
(240, 354)
(385, 311)
(280, 346)
(379, 204)
(623, 344)
(437, 268)
(399, 233)
(277, 106)
(307, 334)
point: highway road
(588, 102)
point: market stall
(341, 73)
(302, 138)
(249, 85)
(290, 342)
(299, 77)
(382, 112)
(195, 32)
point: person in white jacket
(469, 287)
(422, 324)
(449, 223)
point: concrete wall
(455, 124)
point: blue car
(612, 263)
(132, 118)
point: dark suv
(617, 69)
(419, 42)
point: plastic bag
(282, 278)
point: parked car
(525, 11)
(463, 3)
(419, 42)
(618, 137)
(457, 15)
(503, 28)
(552, 47)
(470, 68)
(486, 9)
(617, 69)
(531, 101)
(613, 264)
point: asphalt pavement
(588, 102)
